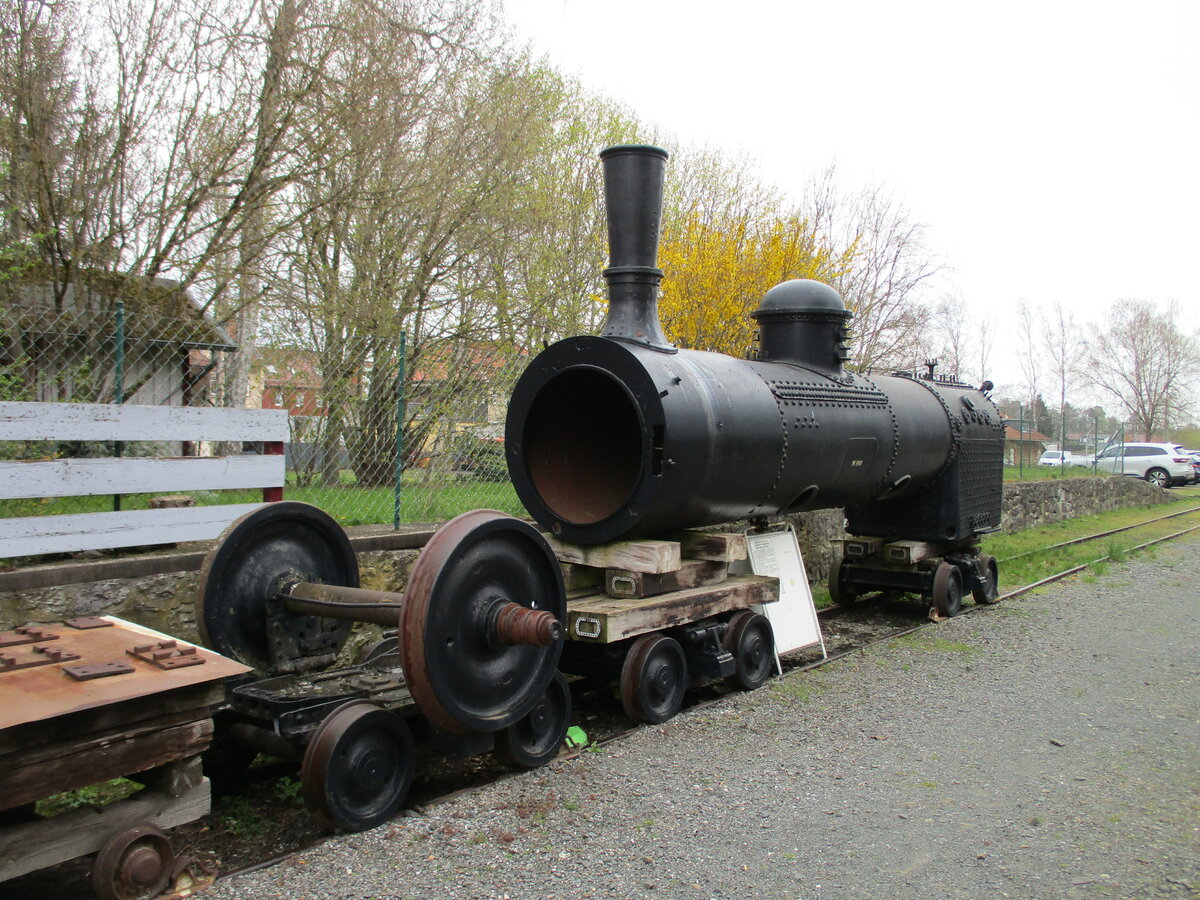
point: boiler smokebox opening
(582, 446)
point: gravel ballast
(1048, 747)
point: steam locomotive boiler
(626, 435)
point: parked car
(1160, 464)
(1062, 458)
(1194, 455)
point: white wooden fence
(30, 535)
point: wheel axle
(480, 622)
(512, 623)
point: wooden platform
(88, 701)
(627, 588)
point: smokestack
(633, 189)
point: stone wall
(1031, 503)
(168, 602)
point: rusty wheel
(133, 863)
(839, 592)
(653, 679)
(947, 590)
(990, 573)
(462, 589)
(535, 739)
(358, 766)
(752, 643)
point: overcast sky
(1052, 148)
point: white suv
(1160, 464)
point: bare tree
(1028, 351)
(414, 194)
(952, 331)
(891, 270)
(1063, 344)
(1145, 363)
(148, 139)
(986, 338)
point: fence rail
(23, 479)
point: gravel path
(1045, 748)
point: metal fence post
(1021, 442)
(119, 380)
(399, 433)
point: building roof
(1031, 436)
(156, 309)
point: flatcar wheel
(535, 739)
(358, 766)
(134, 863)
(840, 592)
(947, 590)
(653, 679)
(752, 643)
(990, 592)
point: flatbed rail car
(93, 699)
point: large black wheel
(990, 573)
(535, 739)
(463, 677)
(134, 863)
(653, 679)
(358, 766)
(258, 555)
(947, 590)
(839, 592)
(1158, 477)
(752, 643)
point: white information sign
(794, 617)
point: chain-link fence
(346, 453)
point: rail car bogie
(653, 670)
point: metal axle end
(517, 624)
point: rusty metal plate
(37, 655)
(98, 670)
(47, 691)
(167, 654)
(84, 622)
(26, 634)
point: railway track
(1098, 535)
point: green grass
(929, 643)
(1045, 473)
(1034, 562)
(422, 499)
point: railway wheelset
(467, 665)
